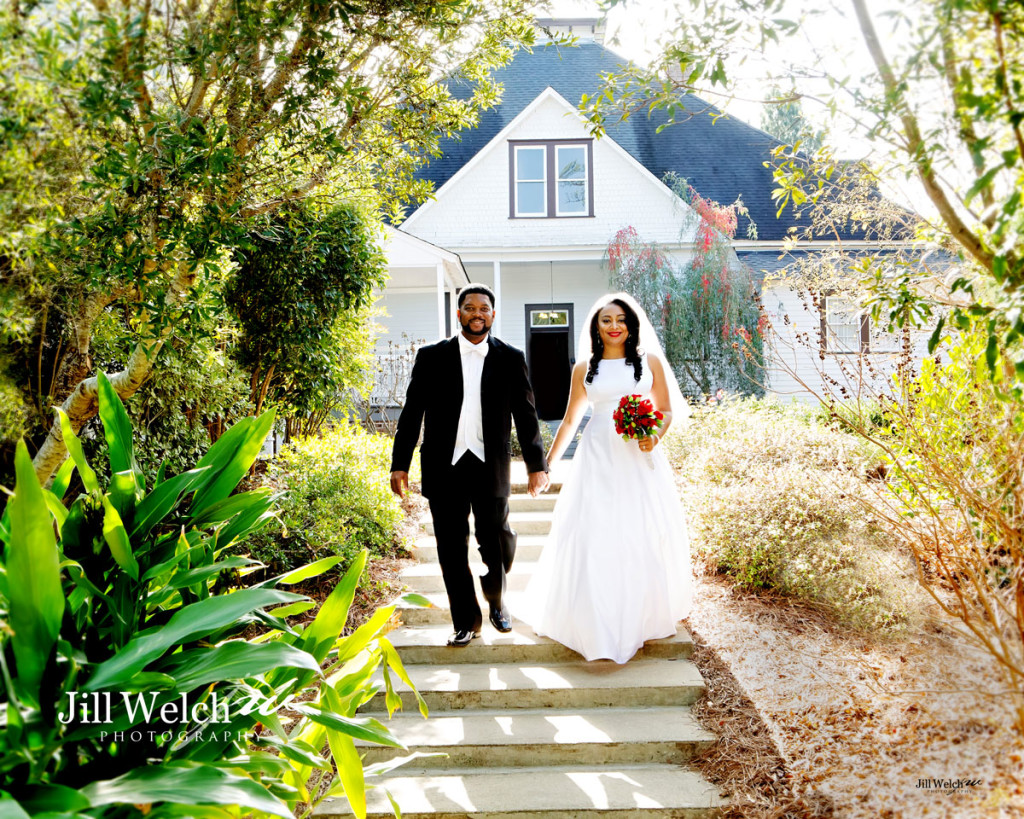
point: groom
(466, 391)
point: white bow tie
(469, 347)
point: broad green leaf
(251, 520)
(414, 599)
(364, 728)
(117, 430)
(395, 663)
(392, 701)
(233, 660)
(122, 491)
(196, 812)
(35, 602)
(150, 681)
(53, 799)
(297, 751)
(117, 539)
(57, 509)
(229, 507)
(184, 786)
(157, 504)
(196, 620)
(62, 479)
(394, 804)
(201, 573)
(358, 639)
(317, 567)
(10, 809)
(294, 608)
(230, 458)
(350, 771)
(320, 635)
(74, 446)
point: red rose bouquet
(636, 418)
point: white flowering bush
(775, 501)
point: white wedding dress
(615, 570)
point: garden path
(526, 727)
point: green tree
(783, 118)
(139, 144)
(967, 156)
(299, 291)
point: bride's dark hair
(632, 340)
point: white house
(528, 201)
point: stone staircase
(526, 728)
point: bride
(616, 568)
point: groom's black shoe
(461, 639)
(501, 619)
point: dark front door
(549, 354)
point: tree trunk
(82, 404)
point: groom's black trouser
(497, 541)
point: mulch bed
(744, 763)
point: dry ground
(858, 722)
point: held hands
(538, 482)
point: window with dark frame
(551, 179)
(845, 328)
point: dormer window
(551, 178)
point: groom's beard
(469, 331)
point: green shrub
(338, 500)
(777, 502)
(198, 388)
(122, 599)
(547, 436)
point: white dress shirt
(470, 435)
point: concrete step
(528, 547)
(426, 578)
(525, 737)
(426, 644)
(525, 523)
(439, 613)
(597, 684)
(525, 503)
(569, 792)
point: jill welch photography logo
(948, 786)
(202, 717)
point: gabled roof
(549, 94)
(723, 160)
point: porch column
(440, 300)
(453, 287)
(497, 299)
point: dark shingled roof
(722, 159)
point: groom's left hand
(539, 482)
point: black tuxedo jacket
(434, 398)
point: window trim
(865, 330)
(550, 181)
(558, 180)
(516, 180)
